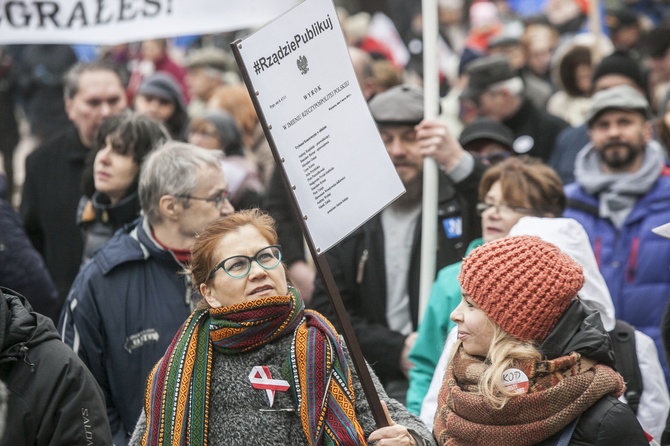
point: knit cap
(522, 283)
(622, 65)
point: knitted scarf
(560, 390)
(618, 192)
(177, 392)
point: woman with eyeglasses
(251, 365)
(510, 190)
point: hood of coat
(579, 330)
(21, 328)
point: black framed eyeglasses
(218, 200)
(238, 267)
(505, 209)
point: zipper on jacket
(631, 269)
(361, 267)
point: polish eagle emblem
(302, 64)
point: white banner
(106, 22)
(336, 162)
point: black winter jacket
(22, 268)
(51, 193)
(53, 398)
(124, 308)
(609, 422)
(358, 266)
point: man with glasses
(127, 303)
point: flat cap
(399, 105)
(209, 56)
(484, 72)
(621, 97)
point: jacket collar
(580, 330)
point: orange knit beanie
(522, 283)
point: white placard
(335, 160)
(106, 22)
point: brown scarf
(560, 390)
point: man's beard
(619, 155)
(413, 192)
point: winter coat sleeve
(80, 328)
(654, 401)
(433, 330)
(28, 209)
(67, 406)
(429, 405)
(609, 422)
(22, 268)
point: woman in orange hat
(533, 365)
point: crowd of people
(152, 234)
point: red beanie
(522, 283)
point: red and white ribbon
(261, 378)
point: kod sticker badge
(515, 381)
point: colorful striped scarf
(322, 384)
(177, 392)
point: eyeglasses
(504, 209)
(493, 158)
(218, 200)
(238, 267)
(203, 133)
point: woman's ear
(206, 293)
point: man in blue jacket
(622, 192)
(128, 302)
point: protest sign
(328, 144)
(106, 22)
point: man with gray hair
(497, 92)
(127, 303)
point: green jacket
(433, 330)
